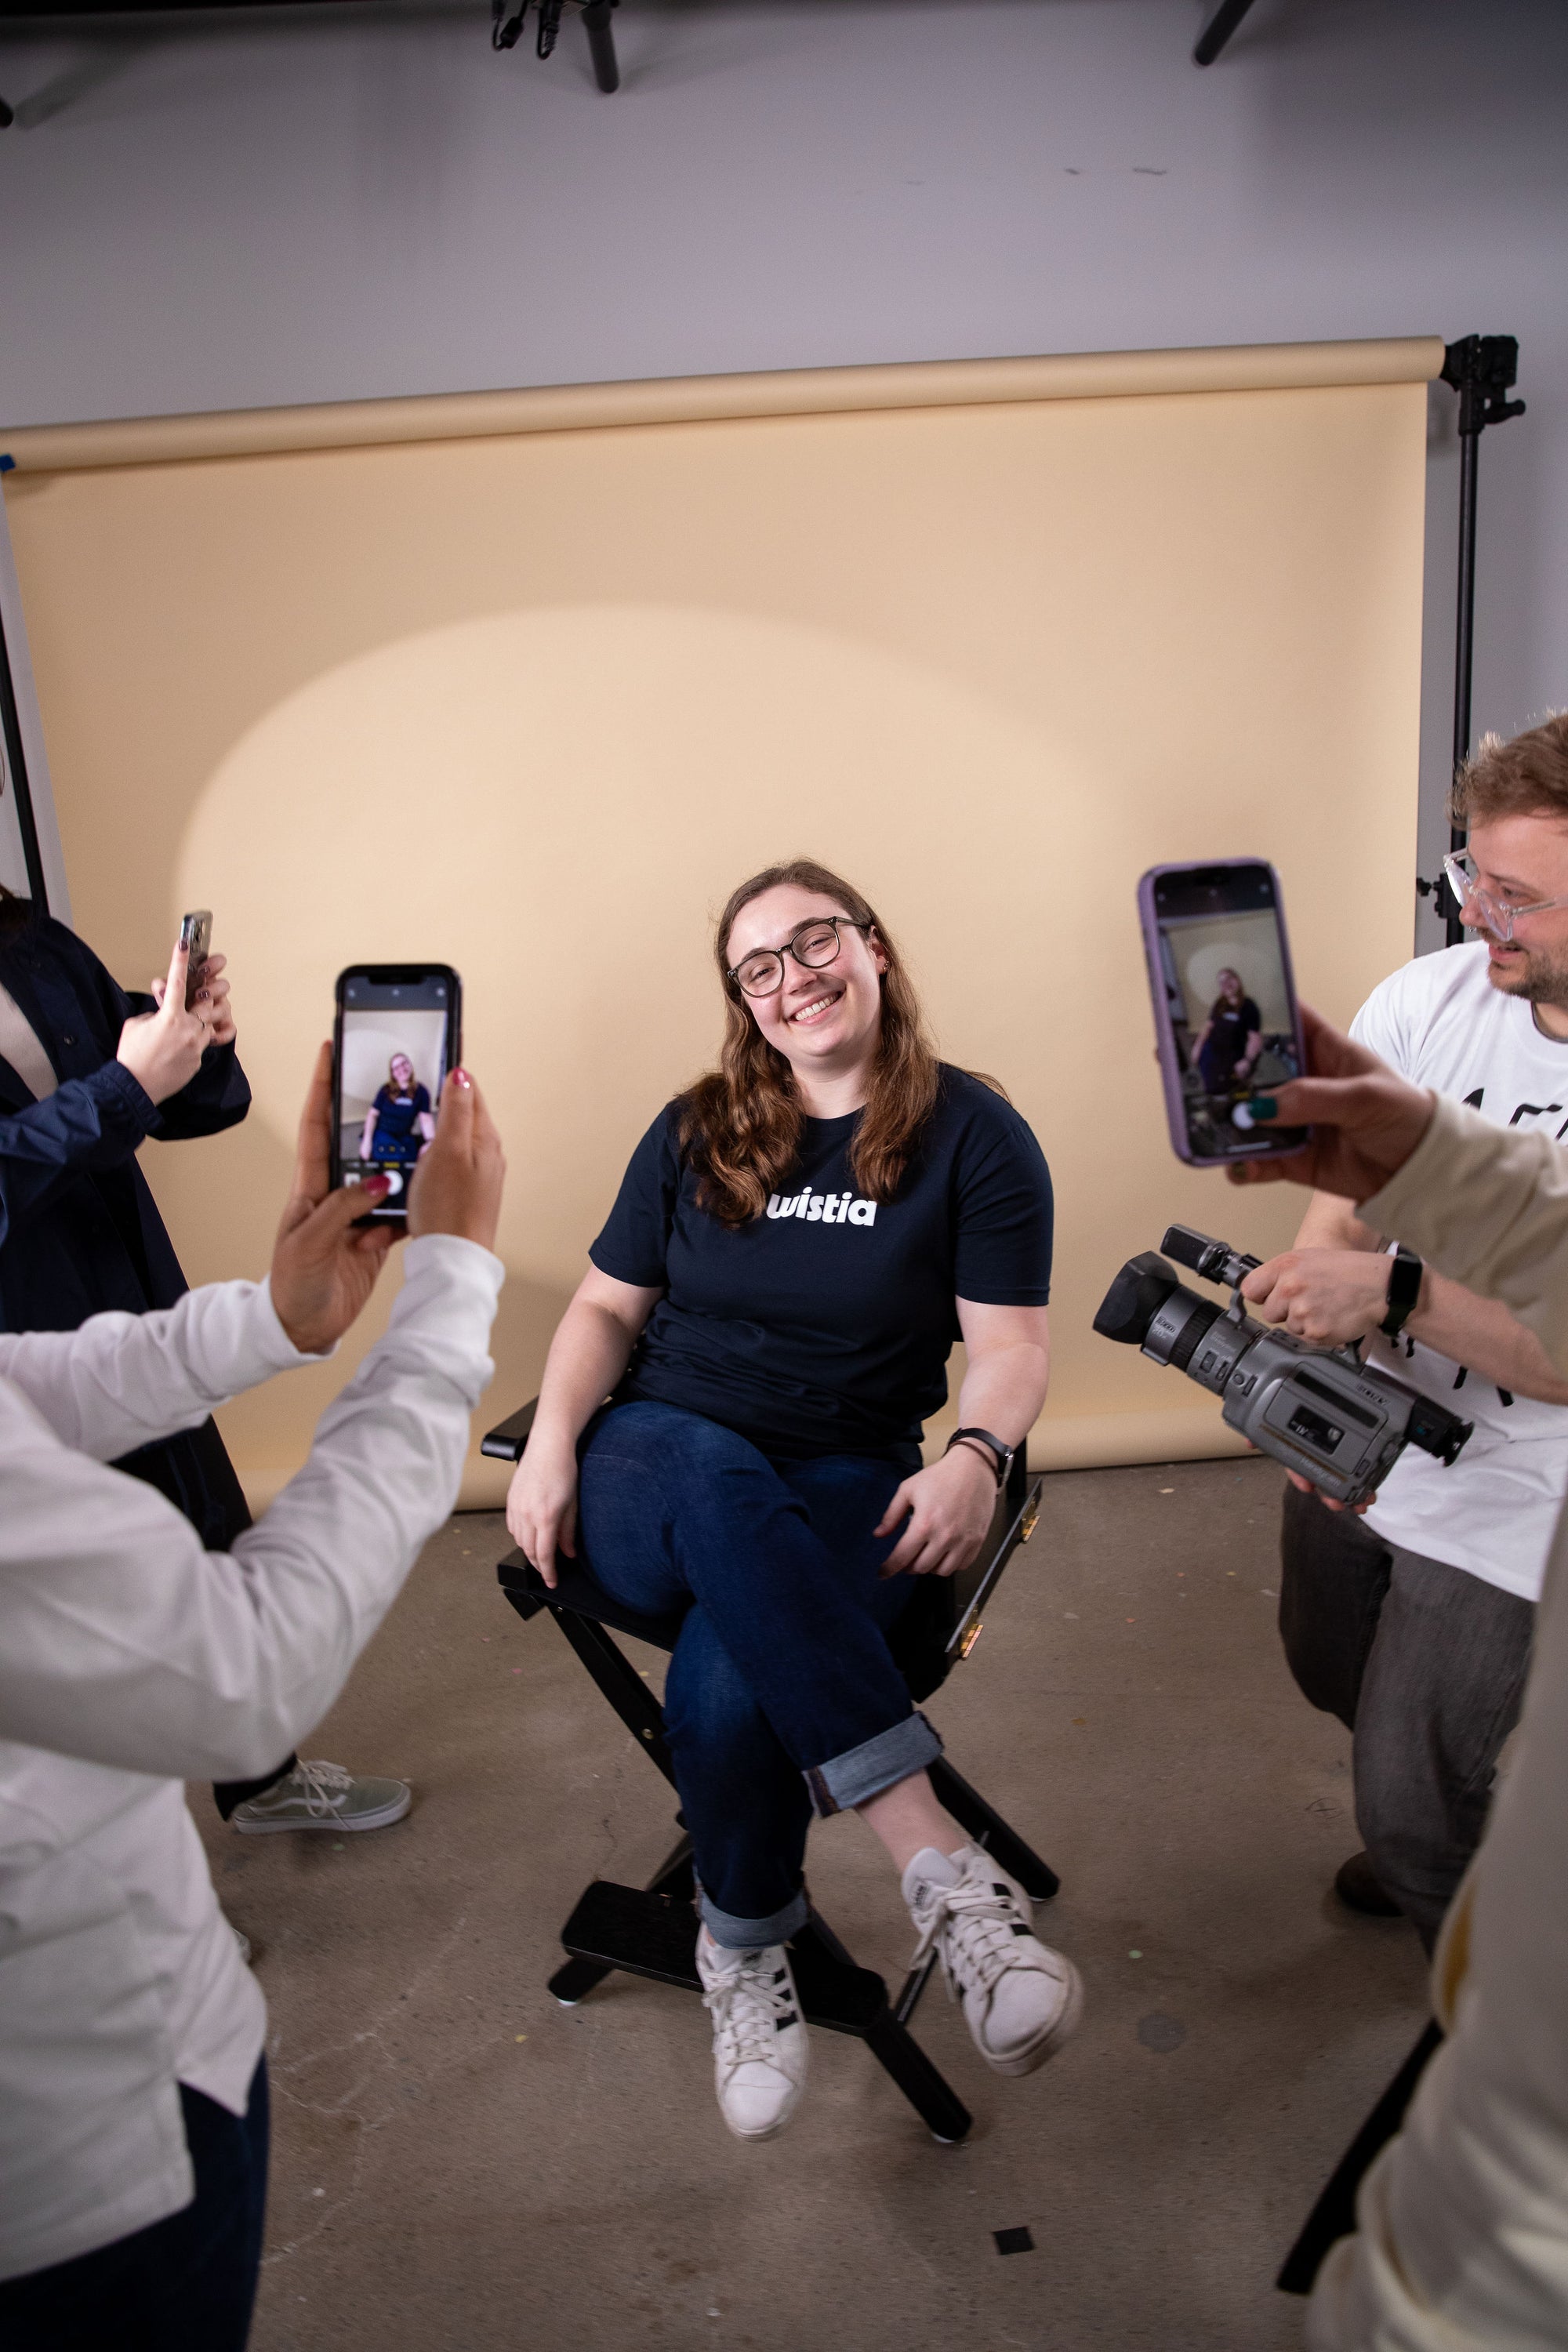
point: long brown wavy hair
(740, 1124)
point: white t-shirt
(1441, 1023)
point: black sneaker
(1358, 1886)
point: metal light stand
(1481, 369)
(16, 773)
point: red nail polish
(462, 1077)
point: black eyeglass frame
(814, 923)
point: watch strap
(1404, 1273)
(994, 1446)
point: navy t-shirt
(825, 1325)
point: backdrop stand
(1481, 369)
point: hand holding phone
(162, 1050)
(1226, 1023)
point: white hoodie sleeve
(122, 1641)
(124, 1380)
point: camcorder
(1319, 1411)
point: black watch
(1003, 1454)
(1404, 1273)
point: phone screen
(397, 1036)
(1224, 1004)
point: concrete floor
(460, 2163)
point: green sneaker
(319, 1796)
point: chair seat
(578, 1590)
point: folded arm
(86, 1124)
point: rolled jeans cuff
(735, 1935)
(878, 1763)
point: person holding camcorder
(1462, 2242)
(1413, 1622)
(132, 2084)
(797, 1243)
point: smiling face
(402, 1074)
(825, 1023)
(1520, 860)
(1230, 987)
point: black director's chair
(651, 1931)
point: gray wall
(332, 203)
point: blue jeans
(782, 1694)
(183, 2284)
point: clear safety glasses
(1496, 915)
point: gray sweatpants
(1424, 1664)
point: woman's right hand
(542, 1505)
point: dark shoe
(1356, 1883)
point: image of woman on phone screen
(399, 1123)
(798, 1241)
(1231, 1039)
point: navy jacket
(79, 1231)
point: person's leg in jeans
(186, 2284)
(1441, 1692)
(1334, 1577)
(743, 1794)
(782, 1667)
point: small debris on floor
(1134, 1956)
(1014, 2242)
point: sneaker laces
(981, 1943)
(747, 2010)
(323, 1786)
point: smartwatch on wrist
(1404, 1273)
(1001, 1454)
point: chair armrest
(506, 1441)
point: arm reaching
(123, 1380)
(122, 1641)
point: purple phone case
(1268, 1146)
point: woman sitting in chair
(796, 1244)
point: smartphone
(1226, 1023)
(196, 935)
(397, 1032)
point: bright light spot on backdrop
(559, 802)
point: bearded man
(1412, 1622)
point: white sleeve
(122, 1641)
(124, 1380)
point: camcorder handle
(1201, 1253)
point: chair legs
(651, 1931)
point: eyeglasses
(813, 946)
(1491, 914)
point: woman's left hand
(949, 1507)
(214, 994)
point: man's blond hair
(1527, 776)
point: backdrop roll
(530, 704)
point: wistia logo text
(824, 1208)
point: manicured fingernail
(1263, 1107)
(462, 1079)
(378, 1185)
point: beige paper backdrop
(533, 704)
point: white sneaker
(320, 1796)
(1021, 2000)
(759, 2035)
